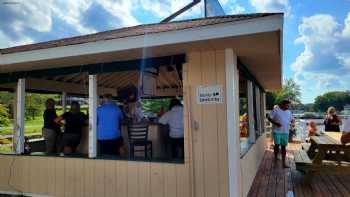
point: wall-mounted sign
(212, 94)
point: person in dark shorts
(109, 116)
(51, 129)
(74, 122)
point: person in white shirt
(281, 117)
(345, 138)
(174, 118)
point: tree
(35, 104)
(6, 99)
(290, 90)
(154, 105)
(4, 116)
(336, 99)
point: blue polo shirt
(109, 116)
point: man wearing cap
(281, 117)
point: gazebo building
(219, 67)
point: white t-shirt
(346, 128)
(284, 117)
(174, 118)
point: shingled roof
(135, 31)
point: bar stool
(138, 137)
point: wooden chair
(138, 137)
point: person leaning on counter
(174, 118)
(109, 136)
(75, 120)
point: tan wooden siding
(66, 177)
(209, 130)
(204, 174)
(250, 163)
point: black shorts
(71, 140)
(110, 147)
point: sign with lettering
(212, 94)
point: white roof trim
(222, 30)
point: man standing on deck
(281, 118)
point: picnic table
(324, 150)
(328, 147)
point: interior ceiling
(167, 82)
(165, 79)
(260, 53)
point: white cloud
(5, 41)
(236, 9)
(271, 5)
(164, 8)
(122, 9)
(27, 14)
(325, 62)
(346, 31)
(71, 13)
(39, 16)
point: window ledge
(100, 157)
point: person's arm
(327, 119)
(164, 119)
(340, 122)
(274, 122)
(271, 119)
(60, 118)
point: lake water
(301, 128)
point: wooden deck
(273, 180)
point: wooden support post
(232, 98)
(250, 89)
(19, 128)
(92, 116)
(64, 101)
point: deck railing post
(64, 101)
(92, 116)
(19, 123)
(232, 98)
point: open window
(147, 92)
(251, 110)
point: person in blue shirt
(109, 116)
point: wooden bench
(304, 164)
(302, 161)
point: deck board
(273, 180)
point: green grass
(5, 149)
(38, 123)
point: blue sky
(316, 33)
